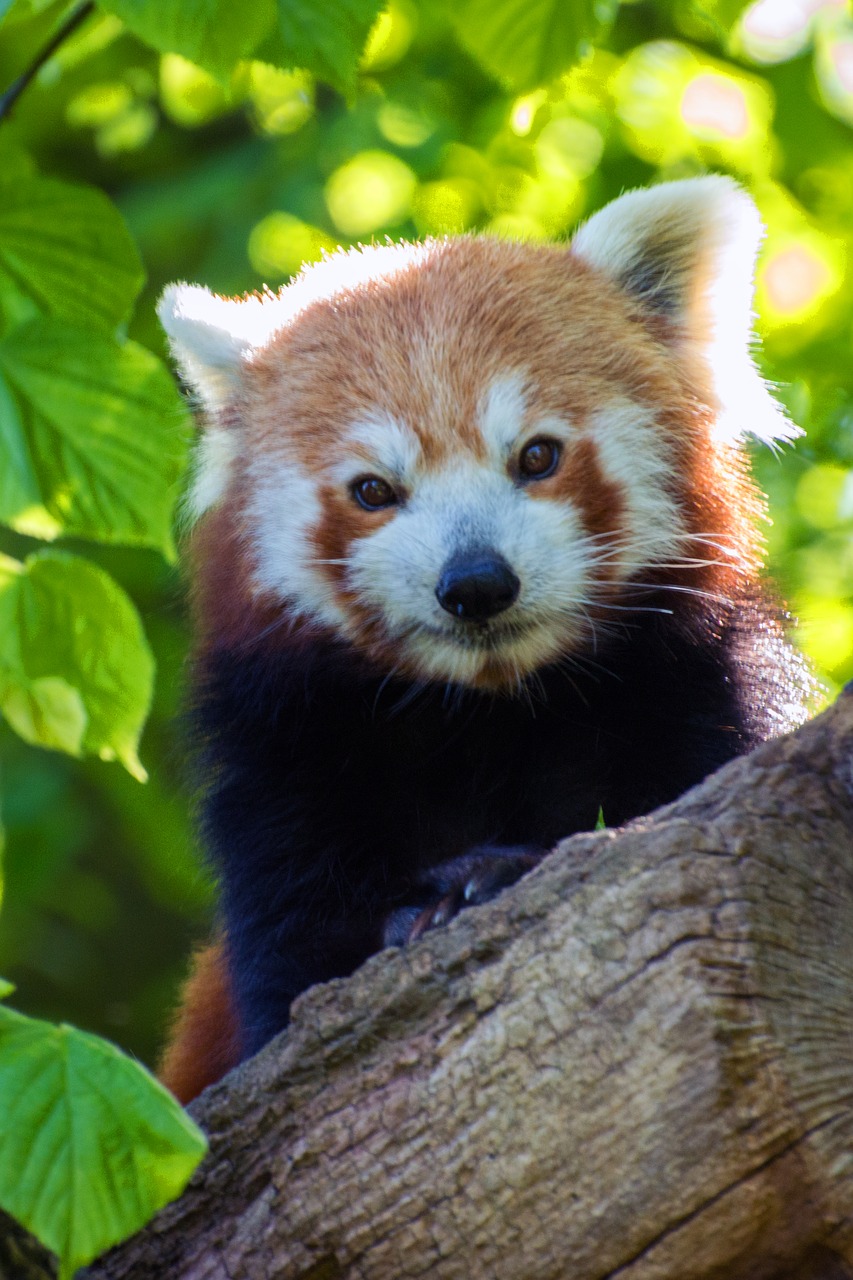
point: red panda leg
(203, 1043)
(444, 890)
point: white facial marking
(383, 444)
(505, 422)
(632, 454)
(501, 415)
(213, 459)
(283, 510)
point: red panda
(475, 558)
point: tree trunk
(636, 1063)
(21, 1256)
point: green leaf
(91, 1146)
(215, 34)
(6, 988)
(529, 42)
(65, 251)
(709, 19)
(48, 711)
(600, 824)
(92, 437)
(16, 164)
(76, 673)
(327, 38)
(26, 10)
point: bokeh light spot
(827, 630)
(446, 207)
(677, 105)
(282, 101)
(280, 243)
(524, 111)
(569, 148)
(97, 104)
(128, 131)
(402, 126)
(714, 107)
(795, 281)
(372, 190)
(775, 30)
(820, 495)
(188, 95)
(834, 66)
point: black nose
(476, 586)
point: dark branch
(13, 93)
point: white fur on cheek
(213, 460)
(632, 453)
(283, 511)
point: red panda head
(462, 456)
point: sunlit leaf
(91, 437)
(188, 94)
(91, 1146)
(47, 711)
(66, 252)
(76, 672)
(216, 34)
(709, 20)
(529, 42)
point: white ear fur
(687, 250)
(211, 337)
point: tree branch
(13, 93)
(637, 1063)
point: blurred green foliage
(232, 171)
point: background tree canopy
(234, 143)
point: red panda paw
(448, 888)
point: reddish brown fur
(203, 1043)
(599, 501)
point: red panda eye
(539, 458)
(372, 493)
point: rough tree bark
(638, 1063)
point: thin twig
(10, 97)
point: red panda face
(468, 545)
(465, 458)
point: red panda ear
(211, 337)
(687, 251)
(682, 248)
